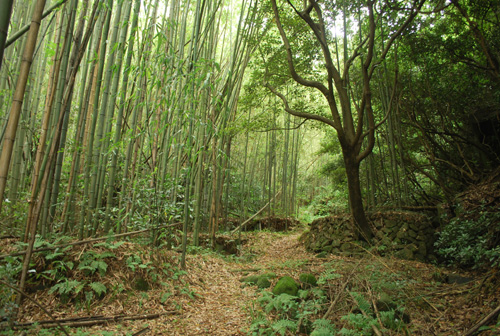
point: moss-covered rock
(251, 279)
(263, 282)
(308, 280)
(286, 285)
(269, 275)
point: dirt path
(221, 307)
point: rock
(405, 253)
(415, 227)
(420, 257)
(322, 254)
(457, 279)
(401, 234)
(308, 280)
(422, 248)
(286, 285)
(412, 247)
(390, 223)
(263, 282)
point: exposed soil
(209, 298)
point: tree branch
(299, 79)
(305, 115)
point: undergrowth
(306, 313)
(88, 276)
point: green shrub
(471, 240)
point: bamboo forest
(250, 167)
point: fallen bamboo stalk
(242, 225)
(87, 241)
(53, 320)
(483, 322)
(91, 320)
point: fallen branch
(339, 293)
(243, 270)
(242, 225)
(91, 320)
(87, 241)
(142, 331)
(53, 320)
(483, 322)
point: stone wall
(406, 235)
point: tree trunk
(361, 226)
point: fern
(282, 303)
(363, 305)
(282, 326)
(94, 266)
(54, 255)
(323, 328)
(67, 287)
(362, 324)
(98, 288)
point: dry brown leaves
(209, 299)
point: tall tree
(347, 116)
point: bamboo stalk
(242, 225)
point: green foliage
(330, 199)
(289, 310)
(98, 288)
(328, 275)
(323, 328)
(8, 273)
(134, 262)
(363, 304)
(362, 325)
(282, 303)
(281, 327)
(469, 241)
(92, 262)
(67, 287)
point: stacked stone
(406, 235)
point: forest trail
(223, 306)
(210, 299)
